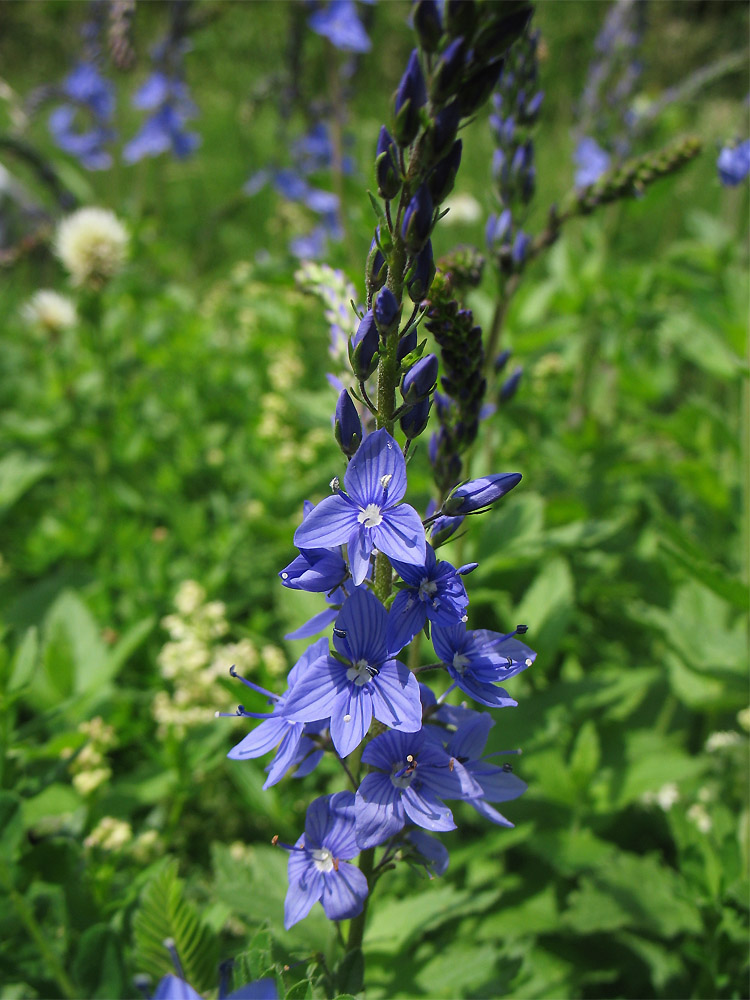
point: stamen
(253, 687)
(335, 484)
(171, 948)
(529, 661)
(339, 632)
(522, 629)
(507, 768)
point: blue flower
(319, 868)
(165, 129)
(477, 660)
(172, 987)
(733, 164)
(368, 514)
(358, 681)
(434, 592)
(277, 729)
(316, 570)
(592, 162)
(414, 774)
(90, 92)
(498, 784)
(338, 22)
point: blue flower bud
(443, 177)
(498, 229)
(387, 173)
(347, 427)
(499, 32)
(420, 274)
(407, 344)
(417, 223)
(363, 347)
(520, 249)
(376, 271)
(386, 310)
(510, 385)
(502, 360)
(444, 129)
(733, 164)
(427, 24)
(410, 96)
(443, 528)
(478, 494)
(460, 17)
(529, 113)
(420, 380)
(448, 71)
(415, 419)
(444, 404)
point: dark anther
(233, 671)
(339, 632)
(510, 662)
(372, 671)
(507, 768)
(522, 629)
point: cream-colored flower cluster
(49, 311)
(89, 767)
(92, 245)
(194, 658)
(285, 373)
(109, 834)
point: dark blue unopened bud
(417, 223)
(363, 347)
(376, 271)
(499, 32)
(510, 385)
(448, 71)
(443, 177)
(500, 171)
(420, 274)
(420, 380)
(386, 310)
(410, 96)
(460, 17)
(466, 569)
(445, 128)
(533, 107)
(414, 421)
(387, 173)
(347, 427)
(478, 494)
(427, 24)
(478, 86)
(502, 360)
(520, 250)
(443, 403)
(407, 344)
(443, 528)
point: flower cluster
(92, 245)
(406, 750)
(89, 766)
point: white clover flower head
(664, 798)
(50, 311)
(722, 740)
(697, 814)
(92, 245)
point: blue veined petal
(469, 740)
(407, 617)
(392, 748)
(261, 989)
(497, 785)
(341, 839)
(486, 810)
(449, 641)
(426, 809)
(395, 697)
(306, 661)
(308, 763)
(400, 534)
(319, 821)
(315, 693)
(285, 754)
(315, 624)
(359, 548)
(364, 621)
(378, 456)
(351, 716)
(329, 523)
(344, 892)
(435, 853)
(485, 694)
(305, 887)
(173, 988)
(262, 739)
(378, 810)
(455, 783)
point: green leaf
(98, 967)
(11, 826)
(18, 473)
(349, 974)
(585, 756)
(25, 661)
(300, 991)
(57, 800)
(74, 655)
(165, 913)
(547, 607)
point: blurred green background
(172, 435)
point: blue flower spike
(360, 680)
(368, 513)
(319, 868)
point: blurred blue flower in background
(164, 130)
(91, 100)
(340, 24)
(733, 163)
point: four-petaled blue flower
(368, 514)
(415, 773)
(318, 863)
(360, 681)
(434, 592)
(477, 660)
(339, 23)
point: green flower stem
(65, 983)
(357, 926)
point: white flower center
(358, 673)
(460, 662)
(426, 589)
(322, 859)
(370, 516)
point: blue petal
(350, 718)
(308, 659)
(400, 534)
(344, 892)
(262, 739)
(315, 624)
(261, 989)
(328, 524)
(285, 754)
(314, 695)
(457, 783)
(448, 642)
(497, 785)
(486, 810)
(485, 694)
(426, 810)
(407, 617)
(364, 621)
(378, 810)
(305, 888)
(435, 853)
(173, 988)
(469, 741)
(378, 456)
(359, 548)
(395, 697)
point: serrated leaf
(547, 607)
(165, 913)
